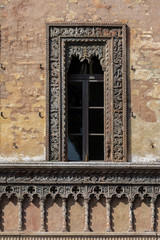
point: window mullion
(86, 120)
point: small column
(20, 213)
(108, 212)
(131, 216)
(64, 209)
(42, 202)
(86, 223)
(153, 215)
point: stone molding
(80, 236)
(106, 166)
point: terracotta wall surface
(23, 49)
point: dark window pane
(75, 121)
(96, 147)
(74, 94)
(95, 67)
(96, 120)
(77, 67)
(75, 148)
(96, 94)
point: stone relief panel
(108, 43)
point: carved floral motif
(85, 42)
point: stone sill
(100, 165)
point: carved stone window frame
(65, 40)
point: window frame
(85, 79)
(60, 36)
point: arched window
(85, 88)
(86, 93)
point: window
(85, 111)
(86, 92)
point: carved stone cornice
(54, 181)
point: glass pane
(74, 94)
(75, 121)
(96, 148)
(96, 94)
(95, 67)
(75, 148)
(74, 67)
(96, 121)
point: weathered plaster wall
(23, 29)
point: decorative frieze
(85, 190)
(50, 183)
(74, 178)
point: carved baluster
(86, 223)
(64, 209)
(153, 215)
(131, 216)
(20, 212)
(42, 201)
(108, 209)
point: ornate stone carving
(76, 177)
(86, 191)
(65, 41)
(118, 152)
(61, 183)
(85, 51)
